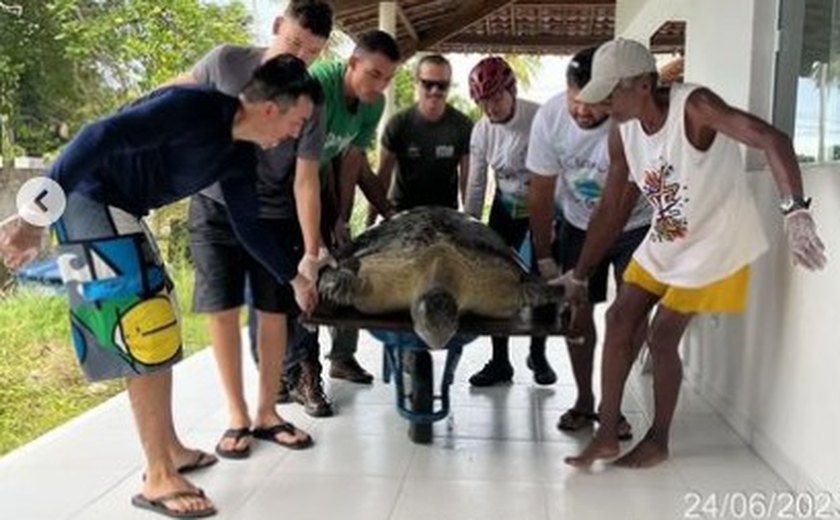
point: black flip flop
(202, 460)
(236, 434)
(270, 434)
(578, 419)
(158, 505)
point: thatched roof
(498, 26)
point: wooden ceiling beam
(470, 13)
(409, 27)
(526, 41)
(564, 3)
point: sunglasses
(430, 84)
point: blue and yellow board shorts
(726, 295)
(124, 316)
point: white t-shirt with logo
(705, 223)
(503, 148)
(579, 158)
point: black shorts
(568, 246)
(222, 264)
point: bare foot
(597, 449)
(168, 485)
(646, 454)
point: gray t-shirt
(428, 154)
(228, 68)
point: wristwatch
(791, 203)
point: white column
(388, 23)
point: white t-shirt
(580, 157)
(503, 148)
(705, 223)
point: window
(816, 49)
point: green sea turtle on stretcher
(437, 264)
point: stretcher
(408, 360)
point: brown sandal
(158, 505)
(236, 434)
(270, 434)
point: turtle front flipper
(339, 285)
(535, 292)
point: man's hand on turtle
(19, 241)
(310, 265)
(306, 296)
(548, 268)
(576, 290)
(805, 245)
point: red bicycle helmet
(489, 77)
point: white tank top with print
(705, 224)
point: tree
(67, 61)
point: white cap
(612, 62)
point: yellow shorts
(726, 295)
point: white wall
(774, 372)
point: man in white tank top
(678, 147)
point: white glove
(577, 291)
(548, 268)
(805, 246)
(306, 296)
(310, 265)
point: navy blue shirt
(167, 146)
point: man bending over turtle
(568, 153)
(500, 141)
(678, 146)
(124, 319)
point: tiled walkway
(498, 456)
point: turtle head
(435, 315)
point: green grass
(41, 385)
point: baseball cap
(612, 62)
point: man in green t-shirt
(353, 105)
(429, 143)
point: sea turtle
(436, 263)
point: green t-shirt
(344, 127)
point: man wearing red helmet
(500, 141)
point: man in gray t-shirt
(289, 198)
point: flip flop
(236, 434)
(158, 505)
(573, 420)
(270, 434)
(202, 460)
(625, 429)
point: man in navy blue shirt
(124, 318)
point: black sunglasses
(429, 84)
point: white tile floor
(498, 456)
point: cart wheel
(422, 395)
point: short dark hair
(316, 16)
(579, 71)
(282, 79)
(377, 41)
(435, 59)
